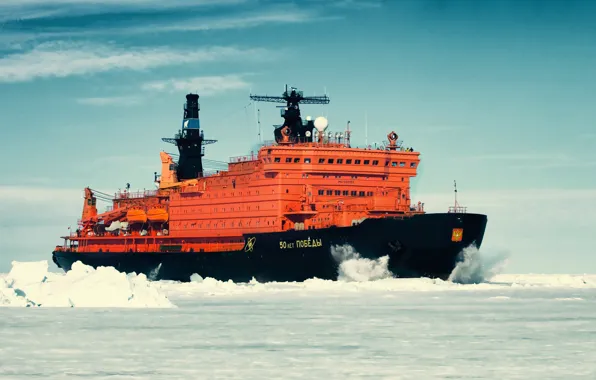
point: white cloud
(239, 21)
(110, 101)
(480, 199)
(236, 22)
(522, 156)
(17, 10)
(535, 160)
(62, 59)
(148, 3)
(35, 194)
(207, 85)
(357, 4)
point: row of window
(226, 224)
(348, 161)
(346, 193)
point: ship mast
(456, 208)
(190, 141)
(456, 205)
(297, 130)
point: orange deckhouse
(281, 214)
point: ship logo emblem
(250, 244)
(457, 234)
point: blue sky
(496, 94)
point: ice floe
(30, 284)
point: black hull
(420, 246)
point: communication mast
(297, 130)
(456, 208)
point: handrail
(457, 210)
(135, 195)
(335, 142)
(246, 158)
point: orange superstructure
(297, 183)
(283, 187)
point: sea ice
(30, 284)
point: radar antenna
(291, 113)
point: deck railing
(336, 141)
(246, 158)
(457, 210)
(135, 194)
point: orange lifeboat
(157, 214)
(136, 215)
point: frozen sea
(101, 324)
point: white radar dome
(321, 123)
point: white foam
(30, 284)
(352, 267)
(478, 266)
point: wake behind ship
(285, 213)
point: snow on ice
(30, 284)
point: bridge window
(357, 162)
(330, 161)
(375, 162)
(369, 193)
(353, 193)
(321, 160)
(345, 192)
(366, 162)
(394, 163)
(321, 192)
(337, 192)
(329, 192)
(296, 160)
(307, 160)
(412, 164)
(277, 159)
(340, 161)
(349, 161)
(288, 159)
(361, 194)
(402, 164)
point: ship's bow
(427, 245)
